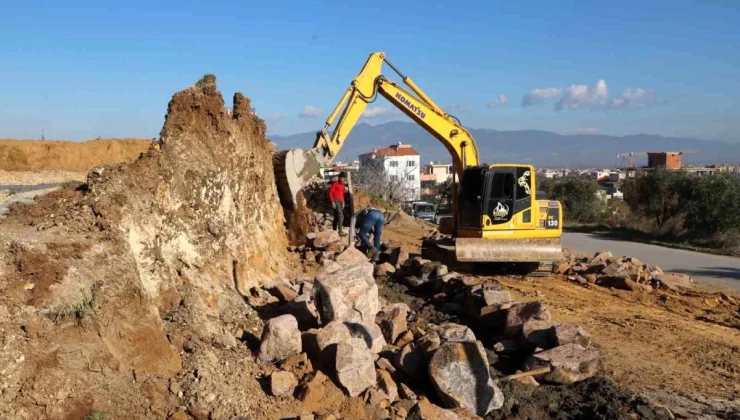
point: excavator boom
(295, 167)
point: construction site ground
(138, 293)
(664, 345)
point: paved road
(704, 268)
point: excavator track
(443, 250)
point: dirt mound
(33, 155)
(121, 296)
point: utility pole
(42, 135)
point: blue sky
(95, 68)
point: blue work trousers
(374, 220)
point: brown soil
(34, 155)
(656, 344)
(124, 295)
(652, 341)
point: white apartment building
(400, 163)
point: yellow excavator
(497, 216)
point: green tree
(579, 195)
(656, 194)
(711, 204)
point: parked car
(424, 211)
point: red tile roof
(394, 150)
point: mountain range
(540, 148)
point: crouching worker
(369, 220)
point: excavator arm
(295, 167)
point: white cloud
(378, 112)
(502, 100)
(583, 96)
(583, 130)
(594, 96)
(276, 117)
(310, 111)
(462, 108)
(635, 98)
(536, 96)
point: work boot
(342, 233)
(375, 255)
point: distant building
(668, 160)
(442, 171)
(428, 184)
(400, 163)
(600, 174)
(337, 168)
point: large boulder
(304, 310)
(351, 255)
(621, 281)
(384, 269)
(459, 373)
(282, 384)
(281, 339)
(496, 297)
(370, 333)
(392, 320)
(569, 363)
(425, 410)
(346, 291)
(429, 342)
(674, 281)
(517, 315)
(410, 360)
(449, 331)
(332, 333)
(540, 333)
(398, 256)
(571, 333)
(354, 366)
(387, 384)
(325, 238)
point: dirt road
(708, 269)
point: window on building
(394, 164)
(411, 164)
(411, 177)
(393, 177)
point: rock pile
(626, 273)
(321, 216)
(380, 352)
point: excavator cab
(500, 218)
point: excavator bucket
(508, 250)
(293, 168)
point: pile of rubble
(316, 194)
(626, 273)
(335, 330)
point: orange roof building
(399, 149)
